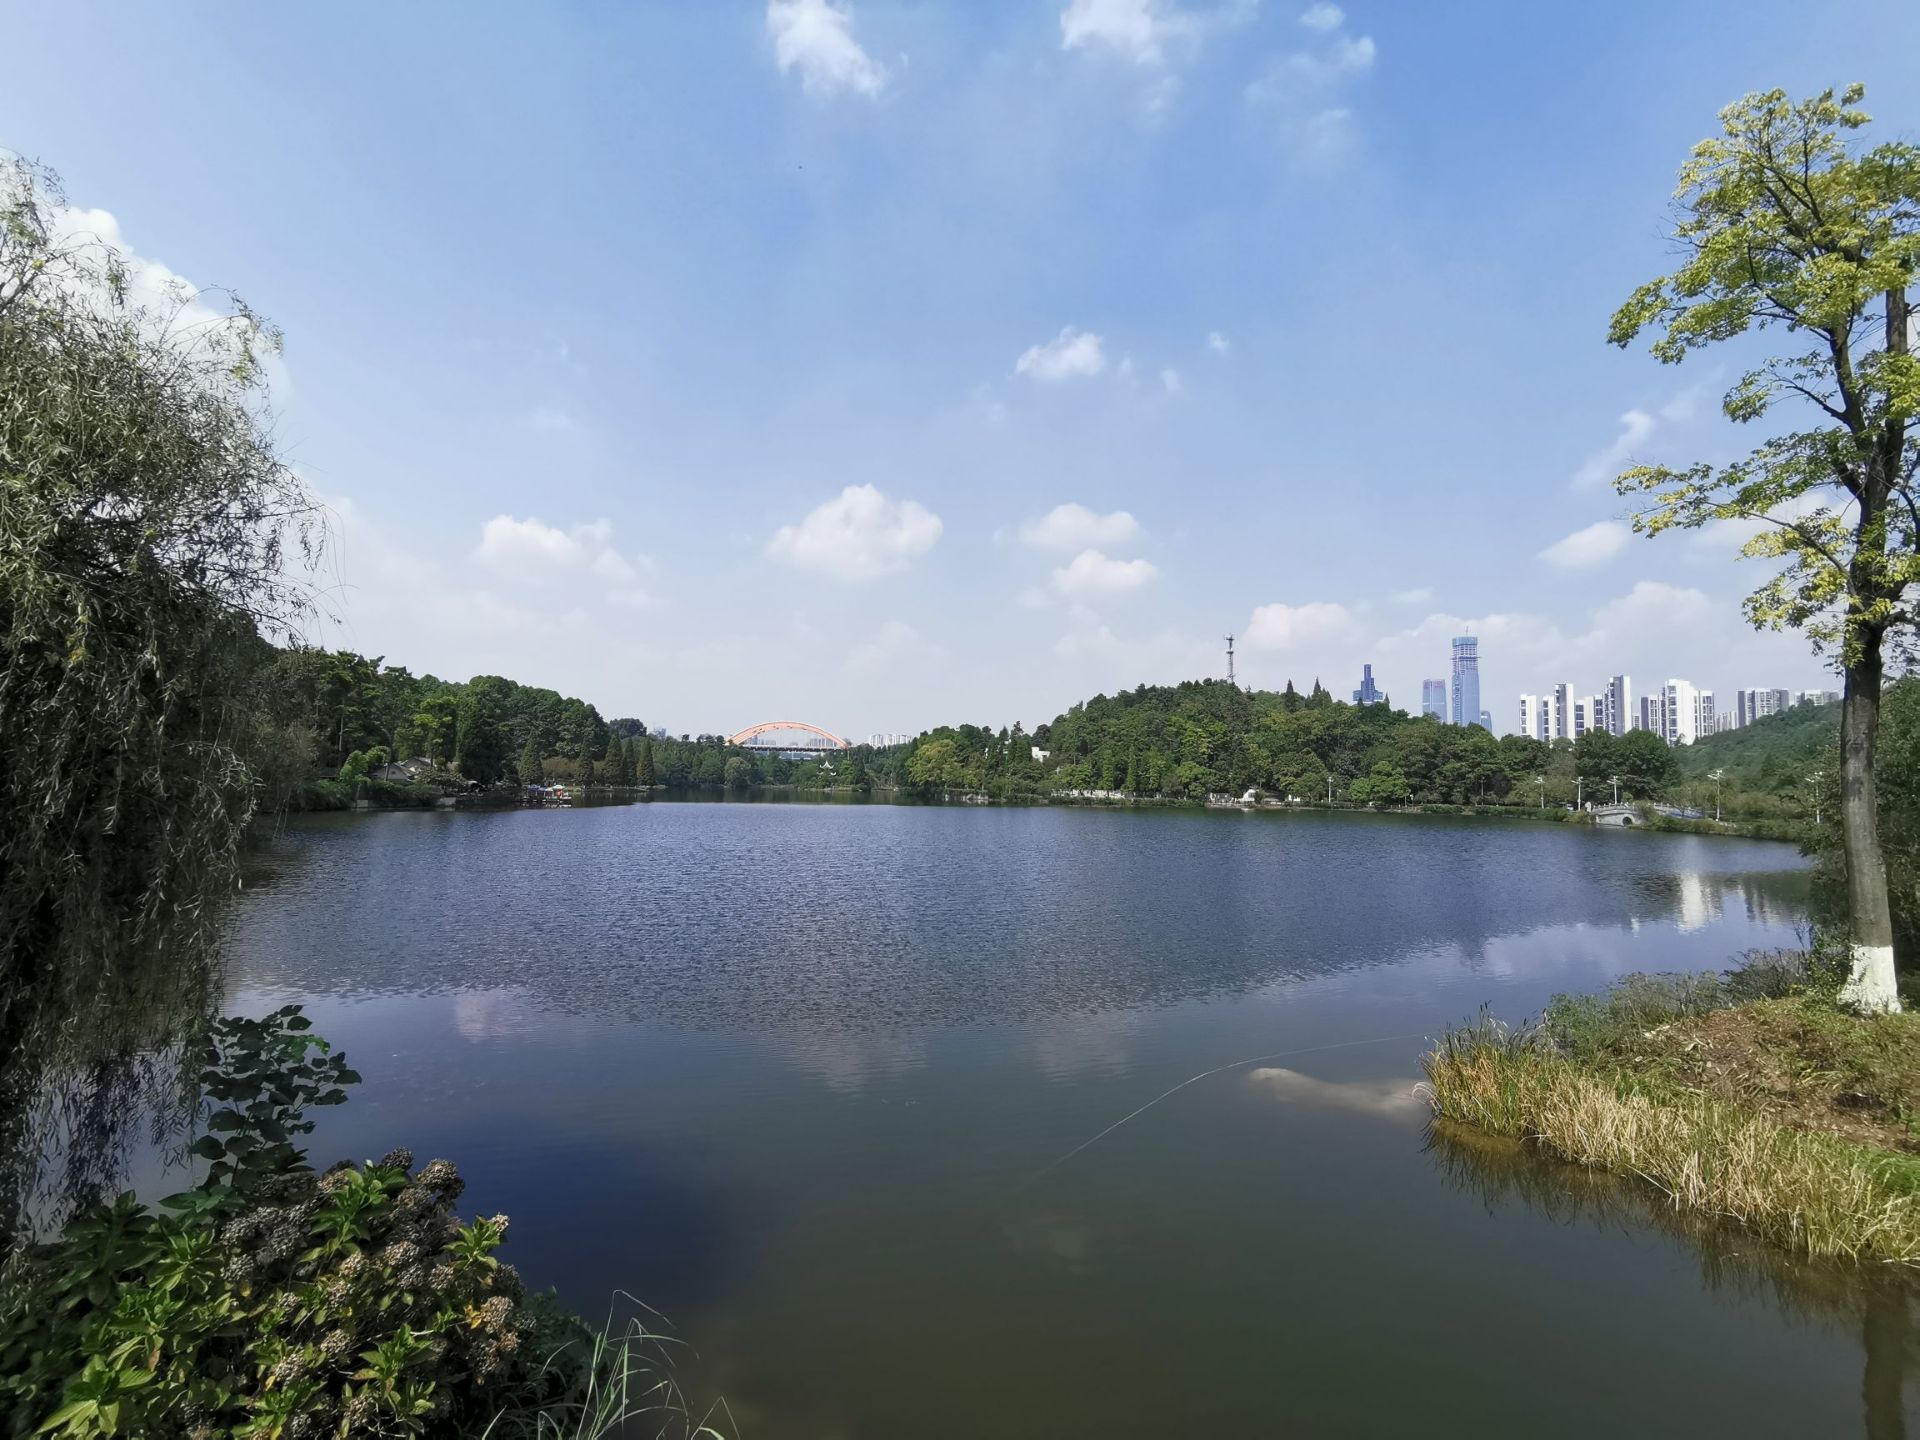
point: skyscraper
(1466, 680)
(1368, 693)
(1433, 698)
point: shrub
(269, 1301)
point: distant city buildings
(1679, 711)
(1466, 682)
(1368, 693)
(1433, 698)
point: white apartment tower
(1621, 716)
(1681, 708)
(1563, 711)
(1533, 718)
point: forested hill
(1774, 755)
(1209, 737)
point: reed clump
(1619, 1083)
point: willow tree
(1785, 225)
(144, 515)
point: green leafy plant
(273, 1302)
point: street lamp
(1814, 780)
(1615, 781)
(1716, 776)
(1541, 782)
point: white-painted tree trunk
(1871, 988)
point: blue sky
(727, 362)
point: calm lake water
(809, 1079)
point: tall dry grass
(1815, 1193)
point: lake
(816, 1081)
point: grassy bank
(1747, 1096)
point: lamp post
(1716, 776)
(1540, 781)
(1329, 789)
(1615, 779)
(1579, 792)
(1814, 780)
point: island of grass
(1748, 1095)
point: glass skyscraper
(1433, 698)
(1368, 693)
(1466, 680)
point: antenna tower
(1230, 679)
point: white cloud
(1636, 427)
(1417, 596)
(1595, 545)
(895, 643)
(815, 37)
(169, 302)
(1170, 381)
(1074, 527)
(1280, 627)
(1305, 90)
(1070, 354)
(859, 535)
(1093, 573)
(1087, 637)
(1218, 343)
(1138, 30)
(527, 550)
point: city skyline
(939, 471)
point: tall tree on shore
(643, 765)
(1783, 225)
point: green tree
(528, 765)
(738, 772)
(1785, 225)
(643, 766)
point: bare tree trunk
(1871, 985)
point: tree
(1783, 225)
(738, 772)
(643, 766)
(146, 517)
(528, 765)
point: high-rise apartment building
(1680, 712)
(1750, 705)
(1620, 715)
(1368, 693)
(1433, 698)
(1589, 713)
(1466, 680)
(1533, 718)
(1563, 710)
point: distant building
(1533, 718)
(1682, 713)
(1750, 705)
(1433, 698)
(1563, 710)
(1589, 713)
(1466, 681)
(1368, 693)
(1040, 756)
(1817, 697)
(1620, 716)
(1486, 721)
